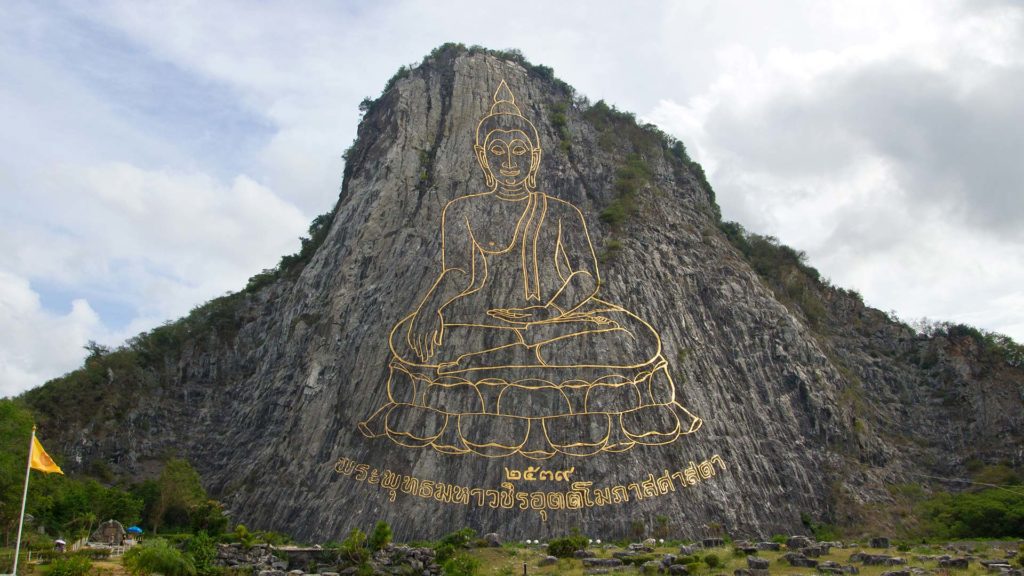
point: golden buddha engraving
(511, 351)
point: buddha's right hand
(425, 334)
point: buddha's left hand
(528, 315)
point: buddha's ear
(481, 158)
(531, 179)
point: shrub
(203, 551)
(380, 537)
(158, 557)
(246, 538)
(461, 565)
(447, 547)
(567, 546)
(353, 549)
(628, 181)
(713, 561)
(70, 566)
(993, 513)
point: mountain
(693, 373)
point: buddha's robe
(551, 258)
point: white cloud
(159, 154)
(36, 344)
(162, 240)
(885, 160)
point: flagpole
(24, 497)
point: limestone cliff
(809, 409)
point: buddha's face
(509, 157)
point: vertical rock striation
(808, 416)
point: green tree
(209, 517)
(15, 430)
(180, 492)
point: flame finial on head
(504, 101)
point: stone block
(798, 542)
(756, 563)
(601, 562)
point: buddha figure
(511, 350)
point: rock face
(801, 412)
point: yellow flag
(40, 460)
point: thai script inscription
(579, 495)
(533, 473)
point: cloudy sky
(156, 155)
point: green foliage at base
(451, 544)
(71, 565)
(157, 556)
(461, 564)
(177, 502)
(380, 537)
(822, 532)
(995, 513)
(353, 550)
(566, 546)
(62, 505)
(202, 549)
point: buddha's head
(507, 145)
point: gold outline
(428, 380)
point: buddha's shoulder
(462, 202)
(559, 206)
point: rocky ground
(798, 555)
